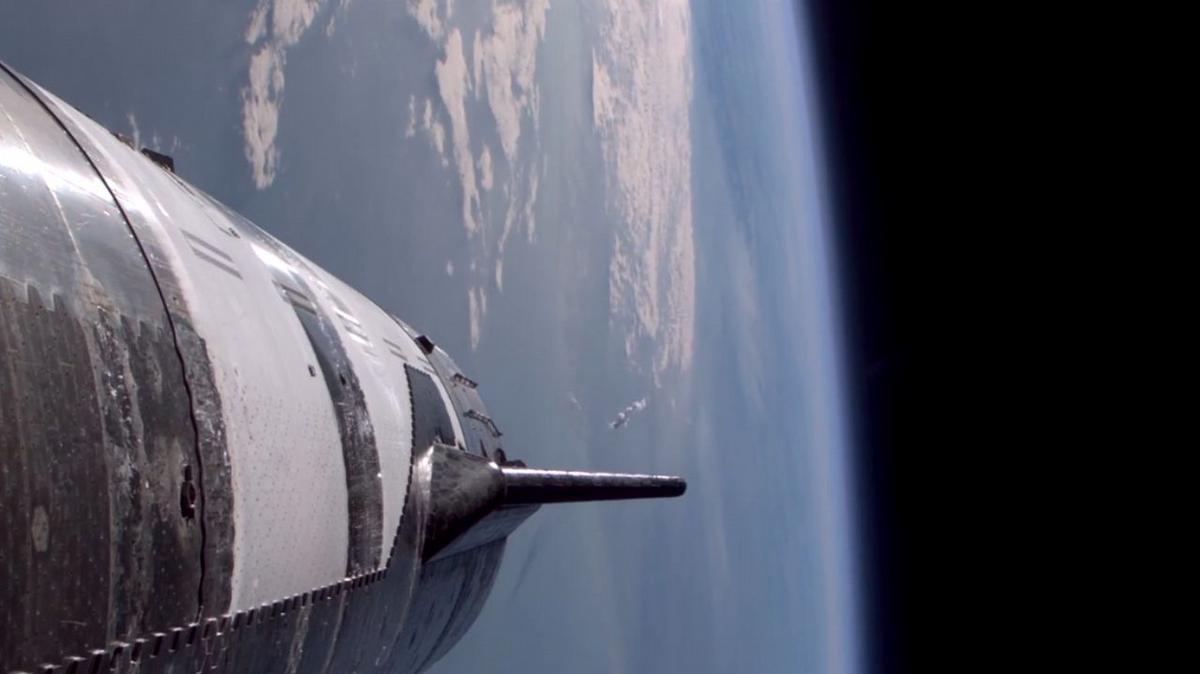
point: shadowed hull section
(451, 594)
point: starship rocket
(215, 455)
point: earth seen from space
(611, 214)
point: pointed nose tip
(532, 485)
(677, 487)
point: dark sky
(849, 43)
(891, 88)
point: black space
(887, 96)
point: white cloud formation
(475, 315)
(331, 27)
(135, 130)
(485, 167)
(425, 12)
(502, 72)
(453, 85)
(476, 310)
(411, 129)
(641, 98)
(477, 63)
(530, 223)
(274, 26)
(260, 114)
(257, 28)
(291, 18)
(520, 210)
(507, 56)
(435, 132)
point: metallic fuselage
(213, 453)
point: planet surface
(612, 214)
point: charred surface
(95, 428)
(160, 289)
(213, 479)
(93, 418)
(148, 434)
(54, 519)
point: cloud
(331, 27)
(476, 310)
(641, 99)
(477, 63)
(425, 12)
(742, 298)
(411, 129)
(257, 28)
(506, 59)
(291, 18)
(502, 72)
(434, 131)
(453, 85)
(274, 26)
(520, 209)
(134, 129)
(531, 223)
(485, 168)
(260, 114)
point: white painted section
(290, 506)
(384, 385)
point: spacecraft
(214, 455)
